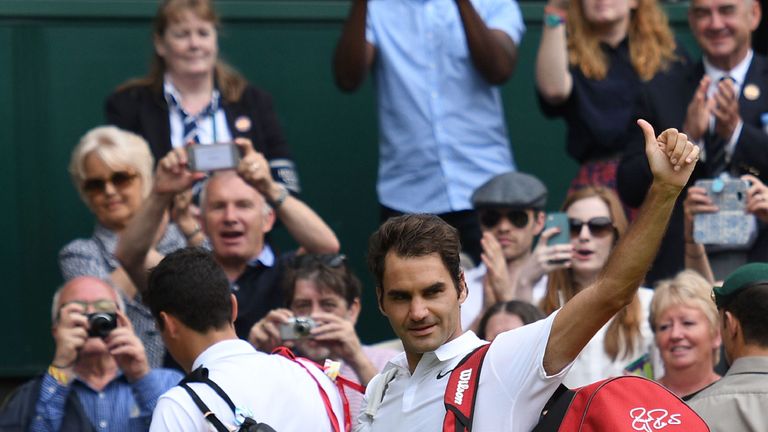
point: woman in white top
(597, 220)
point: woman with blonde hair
(684, 320)
(592, 59)
(112, 171)
(191, 95)
(625, 343)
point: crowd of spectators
(169, 310)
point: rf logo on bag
(652, 420)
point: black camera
(100, 324)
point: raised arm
(553, 79)
(133, 249)
(354, 55)
(493, 52)
(672, 158)
(304, 225)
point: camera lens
(302, 328)
(101, 324)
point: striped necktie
(191, 122)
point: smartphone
(213, 157)
(559, 220)
(731, 225)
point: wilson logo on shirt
(463, 385)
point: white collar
(738, 72)
(222, 349)
(461, 345)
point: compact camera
(213, 157)
(100, 324)
(297, 328)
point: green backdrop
(59, 59)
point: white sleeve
(171, 416)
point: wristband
(58, 374)
(553, 16)
(280, 198)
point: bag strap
(200, 375)
(376, 395)
(287, 353)
(207, 413)
(554, 410)
(461, 391)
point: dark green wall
(59, 59)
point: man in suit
(718, 102)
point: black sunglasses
(598, 226)
(118, 179)
(328, 260)
(491, 217)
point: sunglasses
(598, 226)
(490, 218)
(328, 260)
(119, 179)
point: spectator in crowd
(441, 123)
(687, 331)
(510, 207)
(591, 74)
(99, 378)
(507, 315)
(190, 297)
(112, 171)
(420, 287)
(324, 289)
(719, 102)
(192, 95)
(597, 223)
(736, 403)
(238, 208)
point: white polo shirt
(274, 389)
(512, 391)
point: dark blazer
(664, 103)
(143, 111)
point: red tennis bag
(626, 403)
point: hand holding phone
(213, 157)
(558, 220)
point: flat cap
(744, 277)
(514, 190)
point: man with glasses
(238, 208)
(511, 212)
(736, 403)
(323, 289)
(99, 378)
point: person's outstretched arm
(672, 159)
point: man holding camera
(238, 208)
(323, 298)
(99, 378)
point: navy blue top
(598, 111)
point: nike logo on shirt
(442, 375)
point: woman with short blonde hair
(686, 327)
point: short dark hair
(527, 312)
(191, 286)
(329, 271)
(750, 307)
(414, 235)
